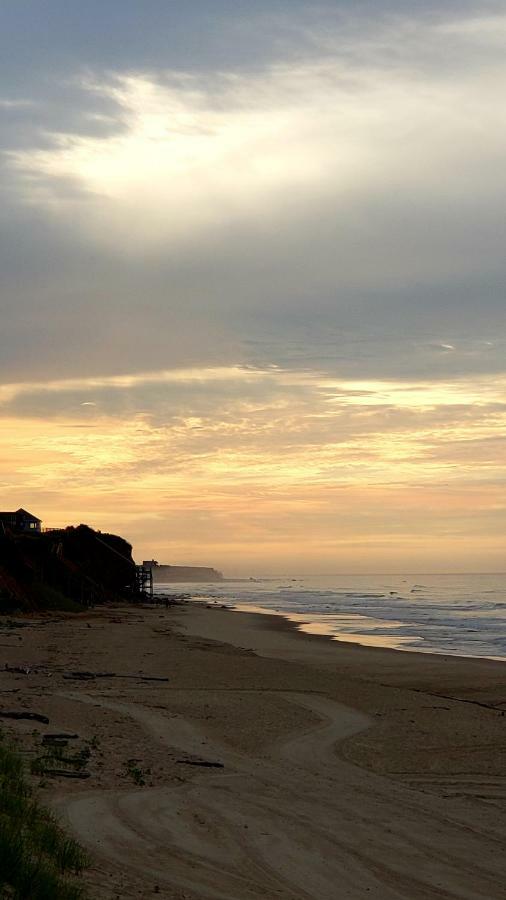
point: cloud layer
(244, 465)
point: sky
(253, 277)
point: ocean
(462, 615)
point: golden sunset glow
(291, 464)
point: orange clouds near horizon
(267, 470)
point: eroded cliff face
(74, 565)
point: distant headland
(165, 573)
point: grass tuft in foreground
(38, 861)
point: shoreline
(271, 761)
(450, 618)
(296, 623)
(334, 652)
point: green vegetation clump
(137, 774)
(38, 861)
(52, 599)
(55, 757)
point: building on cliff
(20, 522)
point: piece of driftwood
(201, 762)
(59, 736)
(34, 717)
(144, 677)
(90, 676)
(63, 773)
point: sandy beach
(339, 771)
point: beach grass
(37, 859)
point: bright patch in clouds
(192, 153)
(188, 159)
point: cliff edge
(61, 568)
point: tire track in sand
(296, 824)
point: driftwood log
(87, 676)
(34, 717)
(145, 677)
(90, 676)
(201, 762)
(59, 736)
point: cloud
(260, 425)
(5, 103)
(344, 195)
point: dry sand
(348, 772)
